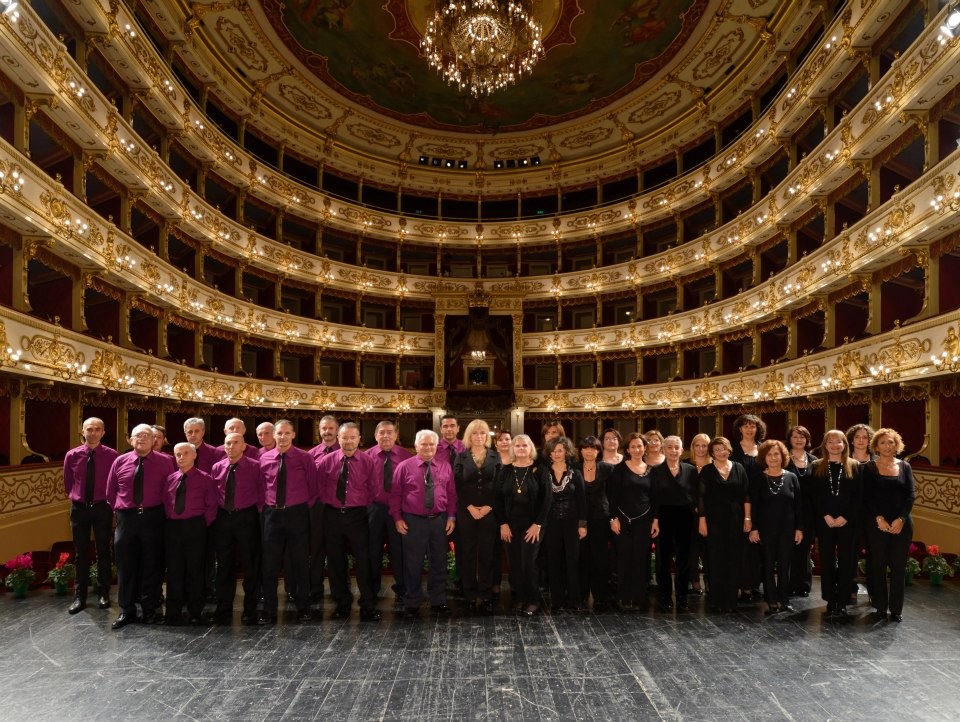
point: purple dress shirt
(398, 454)
(249, 489)
(75, 472)
(251, 452)
(301, 476)
(407, 494)
(320, 451)
(262, 450)
(360, 479)
(207, 456)
(156, 468)
(201, 496)
(443, 451)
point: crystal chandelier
(482, 45)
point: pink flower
(933, 550)
(24, 561)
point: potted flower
(936, 566)
(912, 569)
(62, 574)
(21, 575)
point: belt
(89, 504)
(140, 510)
(238, 511)
(345, 509)
(428, 516)
(284, 507)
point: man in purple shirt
(85, 470)
(190, 503)
(265, 437)
(207, 455)
(240, 492)
(135, 493)
(386, 455)
(318, 554)
(346, 485)
(449, 445)
(160, 439)
(423, 504)
(290, 476)
(236, 426)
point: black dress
(631, 501)
(776, 509)
(522, 499)
(721, 503)
(801, 571)
(476, 538)
(837, 493)
(595, 547)
(751, 563)
(890, 497)
(675, 510)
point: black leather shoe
(123, 620)
(103, 602)
(895, 617)
(265, 619)
(530, 610)
(248, 618)
(411, 613)
(341, 612)
(440, 609)
(79, 604)
(304, 615)
(485, 607)
(682, 606)
(222, 617)
(665, 605)
(370, 615)
(787, 608)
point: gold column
(874, 291)
(78, 318)
(123, 323)
(933, 429)
(21, 254)
(829, 321)
(439, 351)
(517, 350)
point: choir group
(586, 526)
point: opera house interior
(673, 214)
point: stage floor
(690, 666)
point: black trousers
(476, 548)
(342, 527)
(384, 530)
(888, 550)
(676, 526)
(838, 561)
(776, 548)
(801, 574)
(633, 559)
(286, 535)
(98, 518)
(186, 545)
(425, 536)
(138, 544)
(562, 542)
(595, 562)
(318, 551)
(524, 567)
(724, 537)
(237, 533)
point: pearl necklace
(775, 484)
(834, 484)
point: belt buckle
(140, 510)
(343, 510)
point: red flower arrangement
(20, 571)
(936, 564)
(64, 572)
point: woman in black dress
(630, 491)
(566, 525)
(860, 438)
(801, 463)
(475, 471)
(595, 547)
(836, 500)
(749, 431)
(674, 512)
(521, 507)
(888, 490)
(775, 508)
(724, 511)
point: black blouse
(630, 494)
(570, 502)
(837, 494)
(476, 487)
(598, 505)
(522, 496)
(888, 496)
(722, 496)
(775, 503)
(680, 490)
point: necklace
(724, 472)
(775, 484)
(478, 458)
(835, 484)
(519, 480)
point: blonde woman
(699, 458)
(475, 472)
(836, 501)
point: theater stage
(689, 666)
